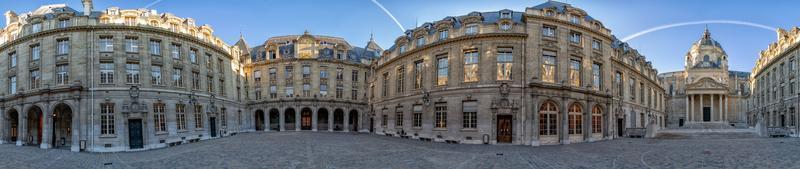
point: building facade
(309, 82)
(706, 91)
(115, 80)
(775, 100)
(549, 75)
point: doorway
(135, 140)
(212, 121)
(305, 119)
(504, 129)
(706, 113)
(62, 126)
(680, 123)
(620, 127)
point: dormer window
(63, 23)
(444, 34)
(549, 13)
(420, 41)
(130, 21)
(105, 20)
(575, 19)
(154, 23)
(505, 26)
(402, 48)
(36, 27)
(173, 27)
(505, 15)
(272, 55)
(471, 29)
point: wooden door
(504, 129)
(135, 139)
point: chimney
(11, 17)
(87, 7)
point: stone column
(702, 105)
(297, 121)
(564, 132)
(725, 115)
(76, 124)
(691, 108)
(3, 128)
(346, 122)
(314, 119)
(47, 128)
(282, 119)
(587, 121)
(720, 109)
(22, 126)
(534, 125)
(330, 120)
(266, 121)
(688, 108)
(711, 105)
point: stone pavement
(350, 150)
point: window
(180, 116)
(574, 119)
(272, 55)
(575, 73)
(403, 48)
(62, 47)
(597, 44)
(12, 83)
(210, 84)
(441, 73)
(575, 19)
(155, 47)
(596, 76)
(62, 74)
(505, 26)
(505, 60)
(505, 15)
(106, 73)
(221, 87)
(177, 77)
(597, 120)
(288, 72)
(306, 71)
(107, 119)
(159, 118)
(354, 94)
(198, 117)
(323, 72)
(130, 21)
(13, 59)
(398, 118)
(306, 90)
(418, 65)
(339, 91)
(339, 74)
(354, 77)
(132, 73)
(549, 31)
(549, 67)
(575, 37)
(619, 85)
(549, 13)
(470, 110)
(257, 77)
(471, 66)
(173, 27)
(36, 27)
(63, 23)
(633, 89)
(420, 41)
(193, 56)
(440, 115)
(401, 75)
(131, 44)
(175, 51)
(548, 119)
(289, 91)
(384, 119)
(208, 60)
(106, 44)
(385, 91)
(155, 75)
(36, 52)
(273, 74)
(417, 119)
(273, 91)
(195, 80)
(323, 89)
(36, 78)
(444, 34)
(471, 29)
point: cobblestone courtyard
(349, 150)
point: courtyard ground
(350, 150)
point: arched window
(575, 119)
(706, 58)
(154, 23)
(548, 119)
(597, 120)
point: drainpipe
(92, 85)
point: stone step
(706, 134)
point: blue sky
(355, 19)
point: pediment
(707, 83)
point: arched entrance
(338, 120)
(62, 126)
(274, 119)
(353, 123)
(259, 120)
(305, 119)
(35, 122)
(322, 119)
(548, 123)
(13, 126)
(288, 119)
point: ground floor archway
(353, 120)
(322, 119)
(338, 120)
(12, 124)
(62, 127)
(35, 124)
(259, 120)
(305, 119)
(274, 119)
(288, 119)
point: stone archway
(288, 119)
(338, 120)
(34, 126)
(322, 119)
(305, 119)
(259, 120)
(274, 120)
(12, 126)
(62, 126)
(353, 120)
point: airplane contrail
(662, 27)
(390, 15)
(153, 3)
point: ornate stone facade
(775, 100)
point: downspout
(92, 84)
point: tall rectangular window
(575, 37)
(339, 91)
(339, 74)
(193, 56)
(597, 79)
(575, 73)
(289, 91)
(306, 90)
(273, 91)
(440, 115)
(177, 77)
(63, 23)
(471, 66)
(106, 44)
(323, 72)
(36, 52)
(180, 116)
(196, 81)
(12, 57)
(210, 84)
(444, 34)
(354, 94)
(12, 85)
(62, 74)
(619, 85)
(505, 61)
(597, 44)
(36, 27)
(222, 91)
(155, 47)
(323, 89)
(155, 75)
(633, 89)
(175, 51)
(62, 47)
(130, 21)
(549, 31)
(257, 77)
(417, 117)
(470, 110)
(273, 74)
(441, 71)
(354, 78)
(160, 120)
(471, 29)
(306, 71)
(132, 73)
(36, 78)
(288, 72)
(420, 41)
(401, 75)
(106, 73)
(107, 119)
(549, 67)
(385, 91)
(131, 44)
(418, 66)
(398, 117)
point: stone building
(549, 75)
(775, 100)
(115, 80)
(309, 82)
(706, 94)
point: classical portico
(706, 101)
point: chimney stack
(87, 7)
(11, 17)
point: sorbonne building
(774, 80)
(549, 75)
(136, 79)
(706, 94)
